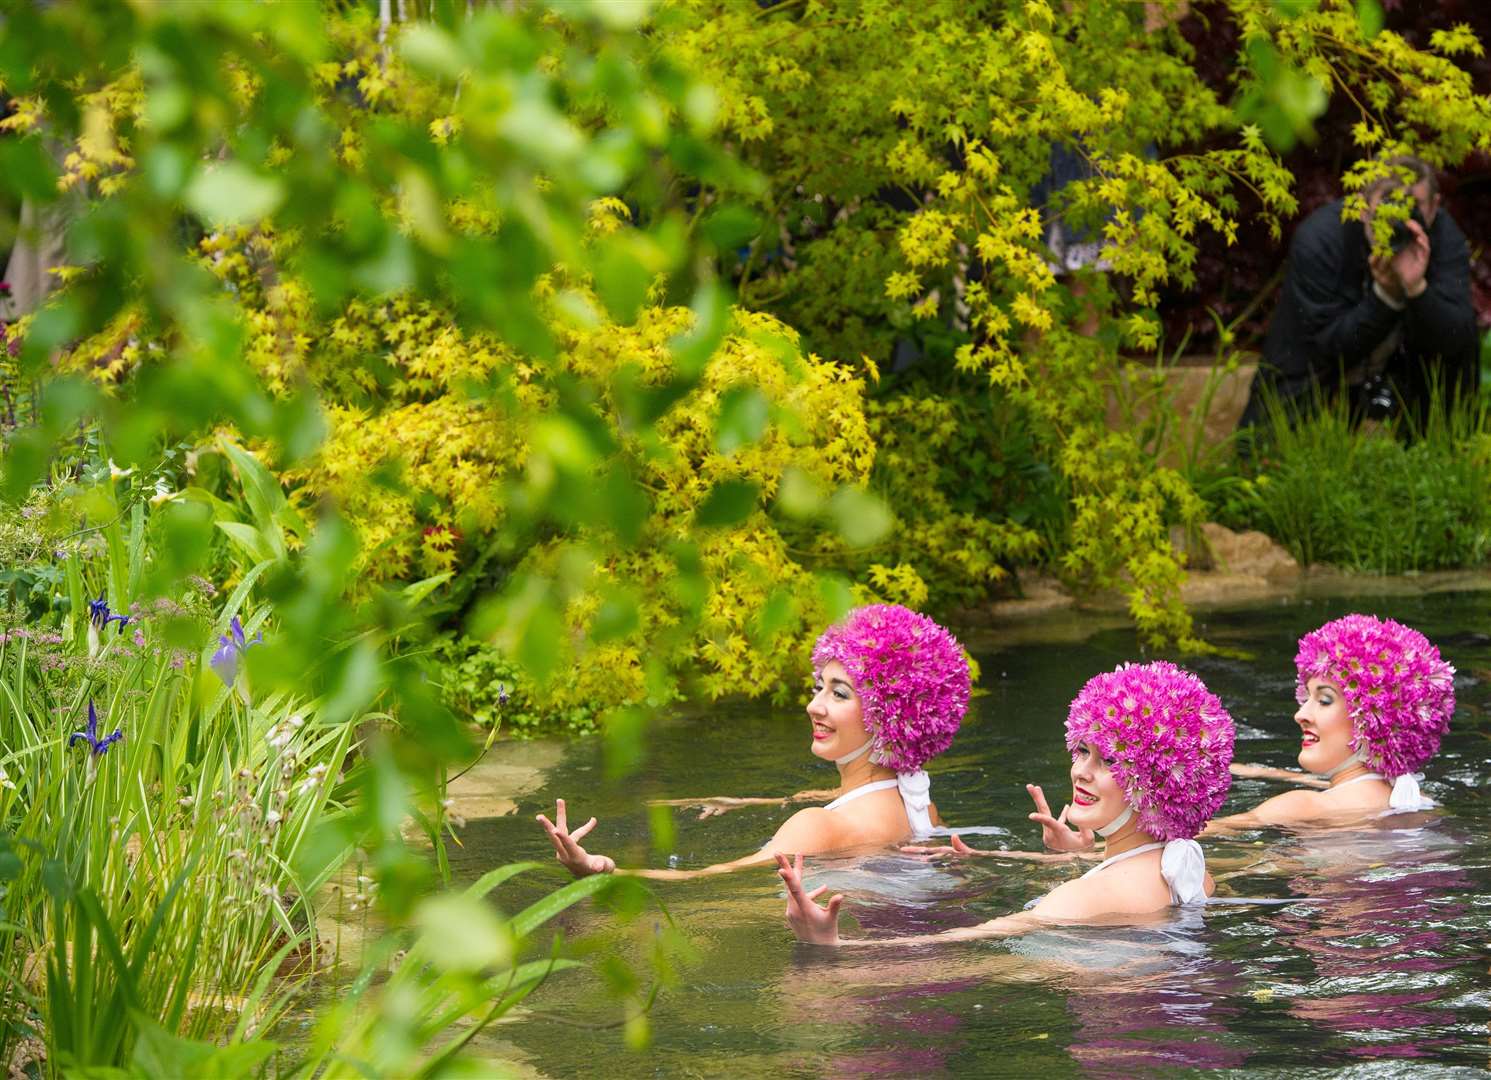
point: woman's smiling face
(835, 712)
(1325, 727)
(1096, 796)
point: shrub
(1372, 501)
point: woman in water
(1150, 752)
(1374, 698)
(890, 689)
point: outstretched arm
(1288, 776)
(714, 805)
(810, 831)
(819, 925)
(959, 849)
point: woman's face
(1096, 797)
(1325, 727)
(838, 724)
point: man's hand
(1403, 275)
(567, 847)
(811, 923)
(1056, 834)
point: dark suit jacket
(1329, 317)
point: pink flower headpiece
(911, 677)
(1398, 691)
(1165, 737)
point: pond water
(1380, 968)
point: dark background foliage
(1231, 278)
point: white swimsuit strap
(863, 789)
(1122, 855)
(1182, 866)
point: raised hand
(1056, 834)
(1403, 274)
(567, 847)
(955, 847)
(810, 922)
(1411, 264)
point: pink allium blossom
(1165, 737)
(1398, 691)
(911, 677)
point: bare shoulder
(1133, 887)
(807, 832)
(1292, 806)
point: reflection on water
(1376, 961)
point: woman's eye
(841, 694)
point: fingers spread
(582, 830)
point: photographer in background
(1388, 324)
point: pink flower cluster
(911, 677)
(1165, 737)
(1398, 691)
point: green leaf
(692, 351)
(159, 1053)
(742, 418)
(431, 51)
(459, 932)
(229, 193)
(540, 912)
(731, 226)
(250, 540)
(860, 518)
(414, 594)
(26, 169)
(728, 503)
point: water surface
(1379, 966)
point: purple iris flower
(90, 736)
(233, 645)
(99, 616)
(501, 693)
(98, 611)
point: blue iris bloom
(98, 611)
(90, 736)
(501, 693)
(230, 651)
(99, 616)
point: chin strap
(1183, 867)
(864, 748)
(1356, 756)
(1117, 823)
(1406, 795)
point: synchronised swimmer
(1151, 751)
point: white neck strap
(864, 748)
(1355, 757)
(1117, 823)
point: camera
(1402, 234)
(1375, 399)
